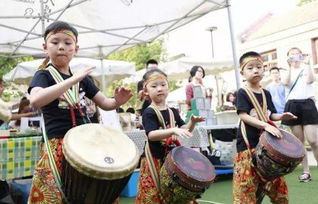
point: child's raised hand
(288, 116)
(273, 130)
(122, 95)
(196, 119)
(80, 74)
(183, 133)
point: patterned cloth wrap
(44, 188)
(147, 190)
(246, 182)
(18, 156)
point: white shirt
(302, 90)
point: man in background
(277, 89)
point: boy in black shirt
(245, 179)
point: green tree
(133, 101)
(140, 54)
(302, 2)
(6, 65)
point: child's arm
(283, 116)
(191, 124)
(246, 118)
(40, 97)
(157, 135)
(121, 96)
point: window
(314, 44)
(269, 58)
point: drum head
(289, 146)
(193, 164)
(100, 151)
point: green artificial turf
(299, 193)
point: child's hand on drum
(288, 116)
(273, 130)
(183, 133)
(196, 119)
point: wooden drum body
(185, 175)
(98, 163)
(277, 157)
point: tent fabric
(104, 26)
(180, 68)
(112, 70)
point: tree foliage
(140, 54)
(6, 65)
(303, 2)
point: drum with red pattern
(185, 175)
(277, 157)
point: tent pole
(42, 17)
(102, 67)
(237, 76)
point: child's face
(253, 71)
(61, 48)
(157, 90)
(231, 98)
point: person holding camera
(300, 102)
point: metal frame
(130, 40)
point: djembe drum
(98, 163)
(185, 175)
(277, 157)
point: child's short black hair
(194, 70)
(249, 54)
(151, 61)
(58, 26)
(274, 68)
(130, 110)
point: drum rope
(71, 95)
(261, 112)
(54, 169)
(153, 171)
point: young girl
(59, 93)
(156, 88)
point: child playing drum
(59, 93)
(248, 186)
(159, 122)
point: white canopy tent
(180, 68)
(111, 69)
(104, 26)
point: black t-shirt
(56, 114)
(245, 105)
(150, 122)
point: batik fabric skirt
(246, 182)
